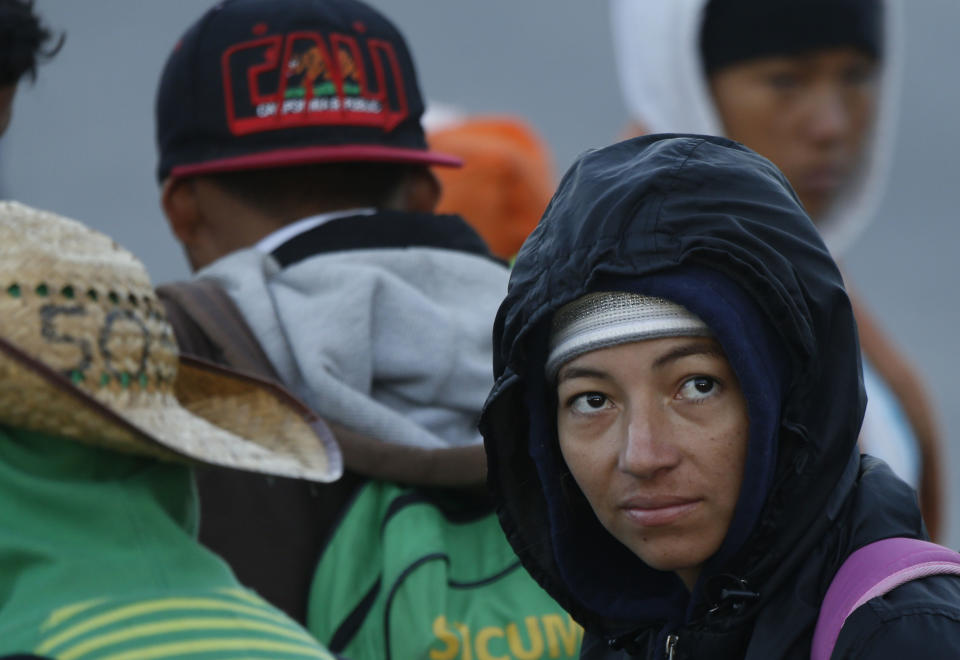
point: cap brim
(313, 155)
(222, 418)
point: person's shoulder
(920, 616)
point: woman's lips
(655, 512)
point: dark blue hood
(709, 224)
(756, 356)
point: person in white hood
(811, 85)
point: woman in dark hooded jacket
(672, 434)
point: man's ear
(421, 191)
(182, 208)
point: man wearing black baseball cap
(255, 87)
(295, 173)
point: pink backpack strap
(871, 571)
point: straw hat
(86, 353)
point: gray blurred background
(81, 142)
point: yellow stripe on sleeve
(154, 606)
(179, 625)
(242, 594)
(60, 615)
(181, 649)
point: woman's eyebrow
(580, 372)
(685, 350)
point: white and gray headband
(610, 318)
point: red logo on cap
(310, 79)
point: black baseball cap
(256, 84)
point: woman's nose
(648, 446)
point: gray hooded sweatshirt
(392, 341)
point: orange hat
(505, 183)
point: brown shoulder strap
(208, 324)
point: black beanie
(738, 30)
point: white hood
(657, 51)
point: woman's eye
(856, 76)
(698, 388)
(784, 81)
(589, 402)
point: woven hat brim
(226, 419)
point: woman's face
(655, 434)
(810, 114)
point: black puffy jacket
(651, 205)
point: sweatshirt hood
(657, 52)
(379, 322)
(658, 213)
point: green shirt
(99, 561)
